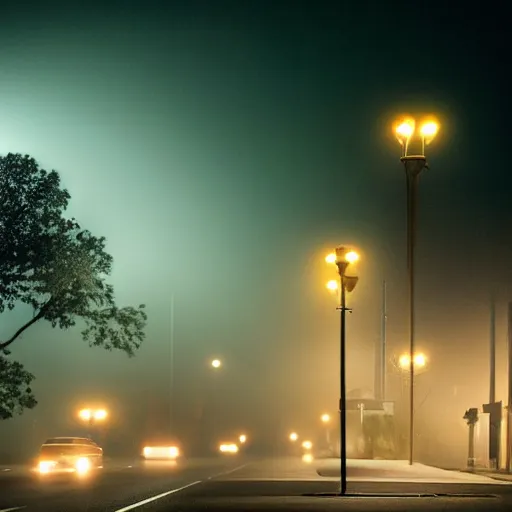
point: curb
(503, 477)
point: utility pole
(492, 366)
(380, 353)
(171, 370)
(509, 401)
(383, 347)
(493, 408)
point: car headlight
(45, 466)
(228, 448)
(83, 465)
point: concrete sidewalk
(497, 475)
(400, 471)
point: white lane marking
(6, 469)
(154, 498)
(224, 472)
(12, 509)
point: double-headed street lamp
(91, 417)
(419, 362)
(414, 163)
(342, 258)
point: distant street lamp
(325, 420)
(242, 438)
(342, 258)
(414, 164)
(293, 437)
(419, 361)
(215, 364)
(92, 416)
(307, 445)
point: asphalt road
(118, 486)
(237, 484)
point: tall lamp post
(413, 164)
(91, 417)
(343, 257)
(325, 420)
(216, 365)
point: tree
(51, 264)
(15, 392)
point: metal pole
(171, 372)
(383, 348)
(509, 401)
(412, 183)
(471, 446)
(343, 393)
(214, 408)
(413, 167)
(492, 367)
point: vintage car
(161, 449)
(78, 455)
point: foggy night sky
(223, 148)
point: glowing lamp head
(100, 414)
(330, 258)
(216, 363)
(85, 414)
(351, 257)
(404, 361)
(325, 418)
(404, 130)
(307, 445)
(429, 131)
(332, 285)
(420, 360)
(294, 436)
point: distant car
(69, 455)
(228, 448)
(162, 450)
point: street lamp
(307, 445)
(91, 416)
(342, 258)
(414, 164)
(242, 438)
(325, 420)
(215, 364)
(293, 437)
(419, 361)
(332, 285)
